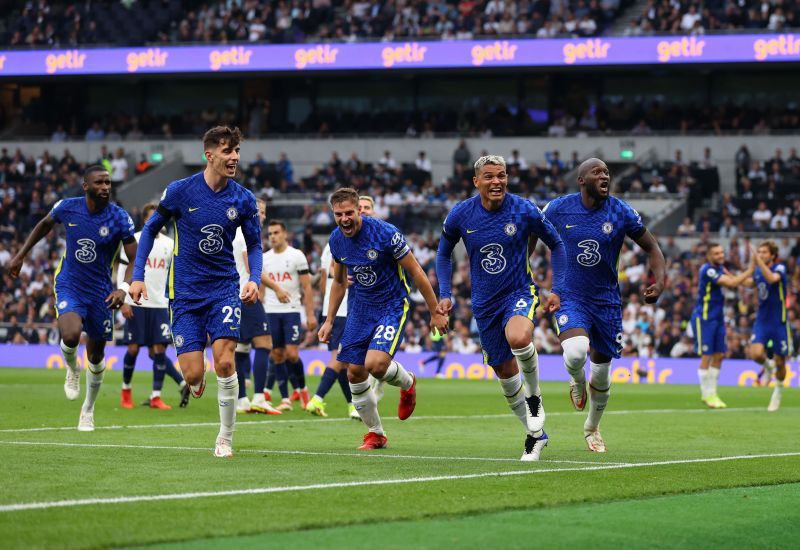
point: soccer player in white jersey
(148, 324)
(254, 331)
(288, 268)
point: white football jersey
(239, 250)
(285, 269)
(325, 263)
(155, 272)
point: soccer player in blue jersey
(708, 319)
(496, 227)
(204, 294)
(375, 253)
(593, 226)
(771, 329)
(85, 299)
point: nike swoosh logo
(571, 226)
(343, 259)
(471, 231)
(193, 209)
(381, 343)
(234, 328)
(72, 224)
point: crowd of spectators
(30, 185)
(716, 15)
(54, 24)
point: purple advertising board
(650, 50)
(471, 367)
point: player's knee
(292, 356)
(519, 340)
(96, 358)
(575, 351)
(376, 368)
(224, 367)
(71, 338)
(278, 355)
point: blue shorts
(496, 350)
(98, 320)
(148, 326)
(337, 333)
(774, 336)
(709, 335)
(285, 329)
(195, 322)
(367, 328)
(603, 324)
(254, 322)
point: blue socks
(159, 370)
(260, 369)
(345, 385)
(129, 363)
(328, 379)
(242, 361)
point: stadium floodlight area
(619, 51)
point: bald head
(586, 166)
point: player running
(708, 319)
(495, 227)
(85, 300)
(593, 226)
(148, 324)
(375, 253)
(205, 300)
(287, 267)
(771, 329)
(254, 333)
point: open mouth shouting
(230, 167)
(348, 227)
(496, 192)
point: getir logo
(591, 49)
(233, 56)
(685, 47)
(783, 46)
(499, 51)
(69, 60)
(151, 57)
(321, 55)
(410, 52)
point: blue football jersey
(497, 246)
(205, 224)
(93, 244)
(371, 259)
(710, 300)
(771, 297)
(593, 239)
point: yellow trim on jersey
(706, 299)
(402, 275)
(789, 342)
(699, 335)
(115, 256)
(171, 282)
(400, 326)
(535, 303)
(783, 301)
(55, 280)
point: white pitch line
(275, 422)
(23, 506)
(292, 452)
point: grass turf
(460, 428)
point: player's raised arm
(251, 229)
(42, 228)
(444, 264)
(337, 295)
(412, 267)
(770, 276)
(733, 281)
(655, 258)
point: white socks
(515, 396)
(396, 375)
(713, 376)
(575, 351)
(599, 393)
(227, 392)
(703, 376)
(70, 356)
(94, 379)
(528, 362)
(367, 405)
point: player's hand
(137, 292)
(325, 330)
(444, 306)
(127, 311)
(15, 266)
(439, 322)
(553, 303)
(311, 323)
(249, 294)
(283, 296)
(652, 293)
(116, 299)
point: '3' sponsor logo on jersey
(493, 262)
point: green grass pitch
(676, 475)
